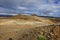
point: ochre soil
(23, 27)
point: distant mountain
(48, 16)
(5, 15)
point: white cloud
(50, 14)
(7, 14)
(47, 6)
(38, 4)
(19, 7)
(27, 12)
(34, 1)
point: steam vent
(23, 27)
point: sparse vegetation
(40, 37)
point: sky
(38, 7)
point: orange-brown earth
(23, 27)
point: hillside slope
(24, 27)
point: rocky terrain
(24, 27)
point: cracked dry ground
(28, 28)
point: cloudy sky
(39, 7)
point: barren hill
(24, 27)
